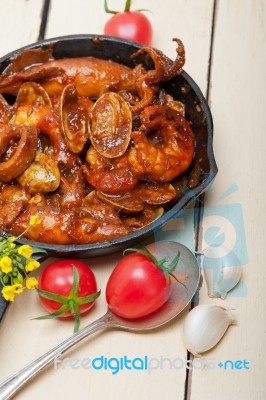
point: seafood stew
(117, 148)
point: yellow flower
(10, 291)
(32, 265)
(31, 283)
(35, 220)
(6, 264)
(18, 288)
(25, 251)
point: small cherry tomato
(67, 288)
(139, 285)
(131, 25)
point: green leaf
(87, 299)
(20, 266)
(38, 250)
(56, 314)
(143, 9)
(174, 263)
(19, 278)
(53, 296)
(5, 279)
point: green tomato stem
(167, 270)
(106, 9)
(75, 286)
(69, 303)
(127, 6)
(73, 307)
(174, 262)
(177, 280)
(145, 252)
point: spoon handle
(12, 384)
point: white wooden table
(226, 55)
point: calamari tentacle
(23, 154)
(164, 68)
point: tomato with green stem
(67, 288)
(131, 25)
(140, 284)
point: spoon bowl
(187, 272)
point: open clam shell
(182, 88)
(32, 93)
(134, 200)
(123, 203)
(146, 217)
(111, 124)
(74, 112)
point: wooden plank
(20, 23)
(163, 346)
(237, 101)
(31, 338)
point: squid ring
(24, 153)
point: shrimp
(12, 200)
(48, 122)
(81, 225)
(108, 175)
(167, 154)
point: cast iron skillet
(183, 88)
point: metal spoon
(180, 298)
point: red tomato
(137, 287)
(131, 25)
(58, 278)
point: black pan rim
(110, 246)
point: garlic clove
(204, 327)
(222, 270)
